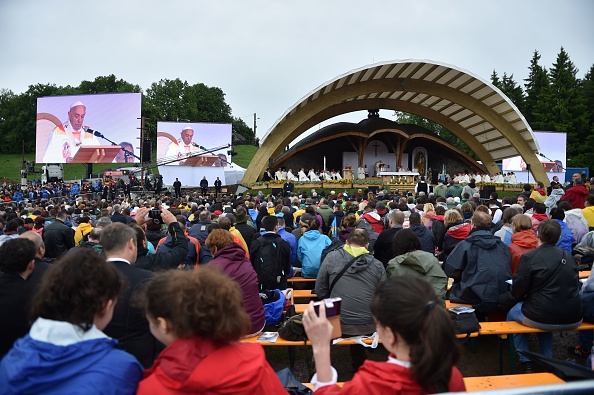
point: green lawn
(244, 156)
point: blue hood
(36, 367)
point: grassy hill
(244, 156)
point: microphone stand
(126, 151)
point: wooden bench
(304, 294)
(503, 330)
(483, 383)
(301, 280)
(301, 307)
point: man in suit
(218, 183)
(129, 324)
(41, 263)
(117, 214)
(17, 262)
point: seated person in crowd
(479, 265)
(546, 288)
(413, 261)
(310, 245)
(66, 351)
(271, 256)
(416, 331)
(356, 287)
(199, 315)
(230, 258)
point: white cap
(187, 128)
(76, 104)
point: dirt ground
(479, 358)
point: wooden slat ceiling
(460, 80)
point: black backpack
(267, 263)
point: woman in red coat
(199, 315)
(523, 239)
(416, 331)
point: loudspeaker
(486, 191)
(527, 166)
(277, 191)
(147, 151)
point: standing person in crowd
(523, 239)
(200, 317)
(576, 195)
(218, 185)
(356, 287)
(129, 325)
(84, 227)
(310, 246)
(204, 186)
(230, 258)
(411, 260)
(57, 236)
(66, 350)
(177, 187)
(546, 288)
(416, 331)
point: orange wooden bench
(301, 280)
(584, 274)
(483, 383)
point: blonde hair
(452, 216)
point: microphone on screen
(198, 146)
(95, 132)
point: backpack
(274, 305)
(267, 263)
(335, 245)
(292, 329)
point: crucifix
(375, 145)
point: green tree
(107, 84)
(537, 89)
(513, 91)
(446, 135)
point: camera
(332, 314)
(155, 215)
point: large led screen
(193, 144)
(552, 154)
(103, 128)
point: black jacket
(129, 324)
(383, 249)
(15, 297)
(247, 232)
(58, 239)
(284, 256)
(166, 260)
(549, 291)
(426, 238)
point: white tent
(233, 174)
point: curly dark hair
(76, 288)
(203, 303)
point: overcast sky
(266, 55)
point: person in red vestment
(414, 328)
(199, 315)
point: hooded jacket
(576, 196)
(325, 211)
(480, 265)
(379, 378)
(522, 242)
(374, 219)
(426, 237)
(232, 261)
(455, 234)
(549, 291)
(539, 195)
(356, 287)
(60, 358)
(309, 252)
(553, 198)
(566, 238)
(199, 366)
(80, 231)
(420, 264)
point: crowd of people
(172, 284)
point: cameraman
(161, 261)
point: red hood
(525, 239)
(194, 365)
(540, 217)
(438, 217)
(459, 231)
